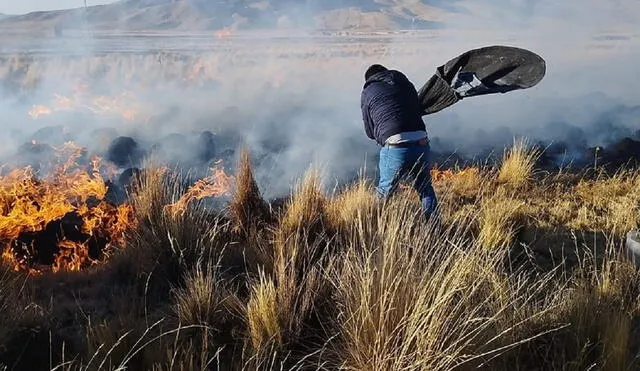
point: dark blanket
(488, 70)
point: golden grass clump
(500, 219)
(248, 208)
(305, 210)
(518, 164)
(351, 204)
(206, 299)
(414, 299)
(465, 183)
(262, 314)
(610, 202)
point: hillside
(198, 15)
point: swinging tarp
(488, 70)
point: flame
(29, 205)
(440, 175)
(447, 174)
(215, 185)
(223, 33)
(123, 105)
(200, 72)
(38, 110)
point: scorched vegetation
(525, 270)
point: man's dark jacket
(389, 103)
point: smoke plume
(295, 102)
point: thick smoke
(294, 103)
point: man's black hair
(373, 69)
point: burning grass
(62, 219)
(527, 274)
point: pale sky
(26, 6)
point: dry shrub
(300, 285)
(599, 303)
(165, 245)
(252, 218)
(518, 164)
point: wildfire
(439, 175)
(38, 110)
(223, 33)
(201, 72)
(61, 220)
(215, 185)
(122, 105)
(448, 174)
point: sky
(26, 6)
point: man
(391, 115)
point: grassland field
(524, 269)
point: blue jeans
(407, 163)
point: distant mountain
(235, 14)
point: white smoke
(295, 103)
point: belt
(421, 143)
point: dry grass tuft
(248, 208)
(301, 229)
(418, 300)
(351, 205)
(500, 220)
(305, 210)
(206, 299)
(610, 202)
(262, 314)
(150, 191)
(518, 164)
(468, 183)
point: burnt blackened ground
(39, 248)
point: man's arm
(366, 118)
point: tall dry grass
(518, 163)
(341, 281)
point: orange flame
(439, 175)
(223, 33)
(447, 174)
(123, 105)
(29, 205)
(38, 110)
(215, 185)
(201, 72)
